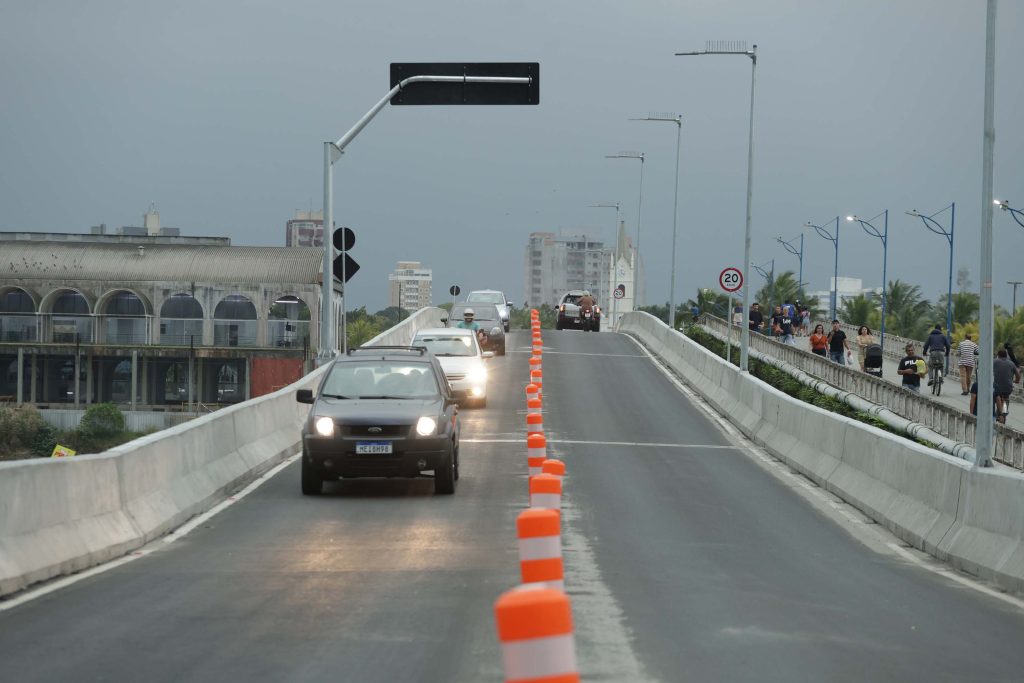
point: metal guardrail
(952, 423)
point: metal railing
(952, 423)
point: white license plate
(373, 447)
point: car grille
(457, 375)
(385, 430)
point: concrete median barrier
(62, 515)
(971, 518)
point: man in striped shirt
(968, 351)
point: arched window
(181, 321)
(70, 318)
(234, 322)
(124, 319)
(181, 307)
(17, 316)
(288, 324)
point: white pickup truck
(569, 313)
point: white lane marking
(861, 527)
(556, 441)
(53, 586)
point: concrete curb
(60, 516)
(973, 519)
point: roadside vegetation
(364, 326)
(24, 433)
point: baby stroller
(873, 360)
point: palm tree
(710, 301)
(907, 312)
(860, 310)
(966, 306)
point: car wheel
(501, 350)
(456, 463)
(444, 476)
(312, 482)
(558, 325)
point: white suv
(492, 296)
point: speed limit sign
(730, 279)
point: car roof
(477, 307)
(411, 354)
(447, 331)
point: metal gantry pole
(985, 431)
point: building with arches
(156, 322)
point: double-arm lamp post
(834, 239)
(938, 229)
(870, 229)
(799, 253)
(639, 213)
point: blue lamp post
(934, 226)
(834, 239)
(884, 236)
(1016, 214)
(799, 253)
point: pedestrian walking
(782, 324)
(968, 352)
(912, 368)
(756, 322)
(1004, 375)
(837, 344)
(864, 340)
(819, 340)
(805, 320)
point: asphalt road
(686, 561)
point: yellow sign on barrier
(61, 452)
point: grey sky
(217, 111)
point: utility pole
(1015, 284)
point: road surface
(687, 559)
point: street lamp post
(834, 239)
(639, 213)
(884, 236)
(615, 266)
(678, 120)
(1015, 284)
(1016, 214)
(799, 253)
(934, 226)
(740, 48)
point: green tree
(786, 288)
(908, 313)
(363, 329)
(708, 301)
(101, 420)
(392, 315)
(862, 309)
(966, 306)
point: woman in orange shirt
(819, 340)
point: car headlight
(477, 375)
(426, 426)
(324, 426)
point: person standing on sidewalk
(756, 317)
(968, 352)
(864, 340)
(911, 370)
(837, 343)
(1004, 375)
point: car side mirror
(488, 354)
(510, 304)
(444, 321)
(304, 396)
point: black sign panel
(343, 239)
(467, 93)
(454, 290)
(351, 268)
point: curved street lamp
(1016, 214)
(834, 239)
(799, 253)
(884, 236)
(769, 276)
(936, 227)
(639, 212)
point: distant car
(569, 313)
(487, 317)
(381, 411)
(462, 360)
(492, 296)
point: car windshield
(381, 379)
(447, 344)
(486, 297)
(572, 298)
(481, 313)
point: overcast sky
(216, 112)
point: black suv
(381, 411)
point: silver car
(492, 296)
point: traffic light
(344, 239)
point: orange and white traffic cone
(534, 424)
(532, 391)
(535, 363)
(536, 453)
(540, 547)
(534, 405)
(556, 468)
(535, 631)
(537, 377)
(546, 492)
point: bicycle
(936, 363)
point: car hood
(378, 411)
(459, 364)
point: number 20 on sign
(730, 279)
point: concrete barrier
(62, 515)
(971, 518)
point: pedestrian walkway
(951, 394)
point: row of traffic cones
(535, 619)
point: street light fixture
(934, 226)
(870, 229)
(718, 47)
(639, 213)
(615, 266)
(1016, 214)
(834, 239)
(678, 120)
(799, 253)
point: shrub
(20, 427)
(101, 420)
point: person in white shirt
(968, 351)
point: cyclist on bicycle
(936, 347)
